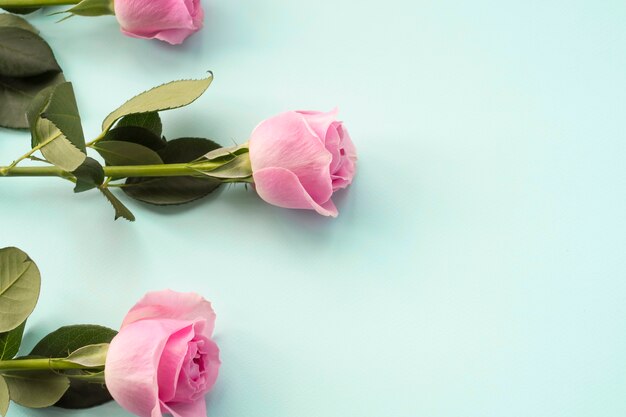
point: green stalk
(35, 3)
(43, 364)
(163, 170)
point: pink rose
(171, 21)
(300, 158)
(163, 359)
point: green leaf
(135, 134)
(36, 389)
(175, 190)
(10, 342)
(16, 95)
(92, 8)
(21, 10)
(55, 123)
(126, 153)
(4, 397)
(63, 342)
(25, 54)
(150, 121)
(91, 355)
(67, 339)
(62, 111)
(7, 19)
(164, 97)
(238, 168)
(120, 209)
(19, 288)
(88, 176)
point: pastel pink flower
(163, 359)
(300, 158)
(171, 21)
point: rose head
(163, 359)
(171, 21)
(300, 158)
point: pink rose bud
(300, 158)
(171, 21)
(163, 359)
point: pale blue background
(478, 265)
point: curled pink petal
(281, 187)
(169, 304)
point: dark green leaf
(164, 97)
(88, 176)
(150, 121)
(25, 54)
(16, 95)
(36, 389)
(21, 10)
(10, 342)
(138, 135)
(126, 153)
(62, 111)
(7, 19)
(120, 209)
(175, 190)
(52, 106)
(19, 288)
(66, 340)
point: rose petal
(320, 121)
(280, 187)
(193, 409)
(170, 304)
(287, 141)
(171, 362)
(187, 388)
(132, 362)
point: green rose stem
(36, 3)
(42, 364)
(161, 170)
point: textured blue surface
(478, 265)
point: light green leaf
(90, 355)
(58, 149)
(7, 19)
(19, 288)
(164, 97)
(127, 153)
(150, 121)
(10, 342)
(36, 389)
(92, 8)
(4, 397)
(237, 168)
(120, 209)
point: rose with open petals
(171, 21)
(163, 359)
(300, 158)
